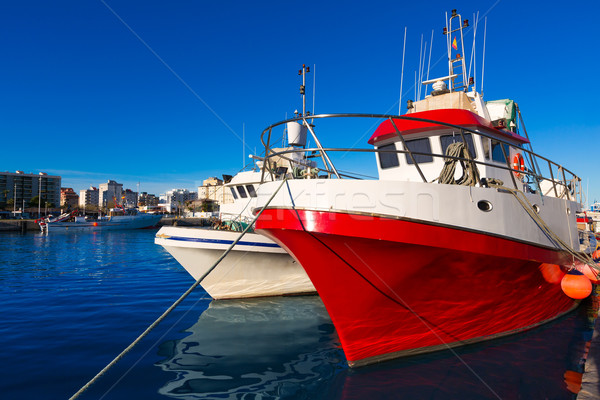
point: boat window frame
(499, 156)
(419, 158)
(388, 160)
(235, 196)
(250, 190)
(241, 191)
(458, 138)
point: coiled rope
(528, 207)
(457, 152)
(176, 303)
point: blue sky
(158, 92)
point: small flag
(454, 45)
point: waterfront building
(108, 192)
(213, 189)
(21, 188)
(149, 200)
(69, 197)
(176, 199)
(129, 198)
(89, 197)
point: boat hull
(397, 287)
(255, 267)
(139, 221)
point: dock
(25, 225)
(590, 383)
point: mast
(456, 52)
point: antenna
(402, 74)
(483, 60)
(303, 72)
(473, 60)
(429, 62)
(314, 86)
(419, 76)
(243, 145)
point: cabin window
(419, 146)
(447, 140)
(486, 147)
(388, 160)
(242, 191)
(251, 190)
(497, 154)
(235, 196)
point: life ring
(518, 165)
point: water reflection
(278, 347)
(287, 348)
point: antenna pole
(402, 74)
(483, 60)
(243, 145)
(314, 86)
(429, 62)
(418, 80)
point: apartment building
(22, 187)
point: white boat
(130, 219)
(255, 267)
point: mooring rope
(458, 152)
(176, 303)
(528, 207)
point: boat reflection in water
(279, 346)
(287, 348)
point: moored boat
(464, 237)
(119, 220)
(255, 267)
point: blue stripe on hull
(221, 241)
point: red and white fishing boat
(465, 235)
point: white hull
(109, 224)
(255, 267)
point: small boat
(465, 235)
(255, 267)
(117, 220)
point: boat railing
(562, 183)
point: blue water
(71, 303)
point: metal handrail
(534, 173)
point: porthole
(484, 205)
(536, 208)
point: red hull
(395, 287)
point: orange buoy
(95, 224)
(552, 273)
(591, 273)
(576, 285)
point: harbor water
(72, 302)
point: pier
(590, 383)
(25, 225)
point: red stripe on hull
(391, 293)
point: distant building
(108, 192)
(22, 187)
(213, 189)
(176, 199)
(89, 197)
(148, 200)
(68, 197)
(129, 198)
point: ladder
(456, 52)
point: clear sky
(161, 92)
